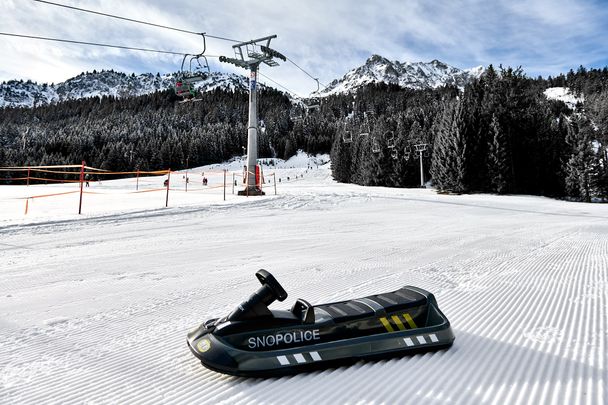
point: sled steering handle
(268, 280)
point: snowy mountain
(105, 83)
(416, 75)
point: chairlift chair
(347, 133)
(347, 136)
(375, 145)
(312, 103)
(196, 73)
(390, 140)
(394, 153)
(365, 128)
(407, 151)
(295, 115)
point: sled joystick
(257, 303)
(267, 279)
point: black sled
(253, 341)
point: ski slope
(95, 309)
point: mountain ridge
(377, 69)
(414, 75)
(19, 93)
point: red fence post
(168, 181)
(81, 183)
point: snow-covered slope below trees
(96, 309)
(564, 94)
(415, 75)
(105, 83)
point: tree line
(499, 135)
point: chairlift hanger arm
(254, 41)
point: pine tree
(499, 159)
(341, 160)
(449, 153)
(580, 164)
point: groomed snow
(95, 309)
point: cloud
(325, 38)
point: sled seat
(401, 299)
(373, 305)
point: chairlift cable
(70, 41)
(308, 74)
(84, 10)
(279, 84)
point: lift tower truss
(249, 55)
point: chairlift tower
(420, 148)
(249, 55)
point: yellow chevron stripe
(387, 324)
(410, 321)
(398, 322)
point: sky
(325, 38)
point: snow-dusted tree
(581, 162)
(499, 162)
(449, 153)
(341, 159)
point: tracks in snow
(526, 293)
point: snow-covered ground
(95, 309)
(564, 94)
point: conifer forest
(500, 134)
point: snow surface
(96, 309)
(563, 94)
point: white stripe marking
(434, 338)
(283, 360)
(408, 341)
(299, 358)
(421, 339)
(315, 356)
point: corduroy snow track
(96, 310)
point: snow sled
(254, 341)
